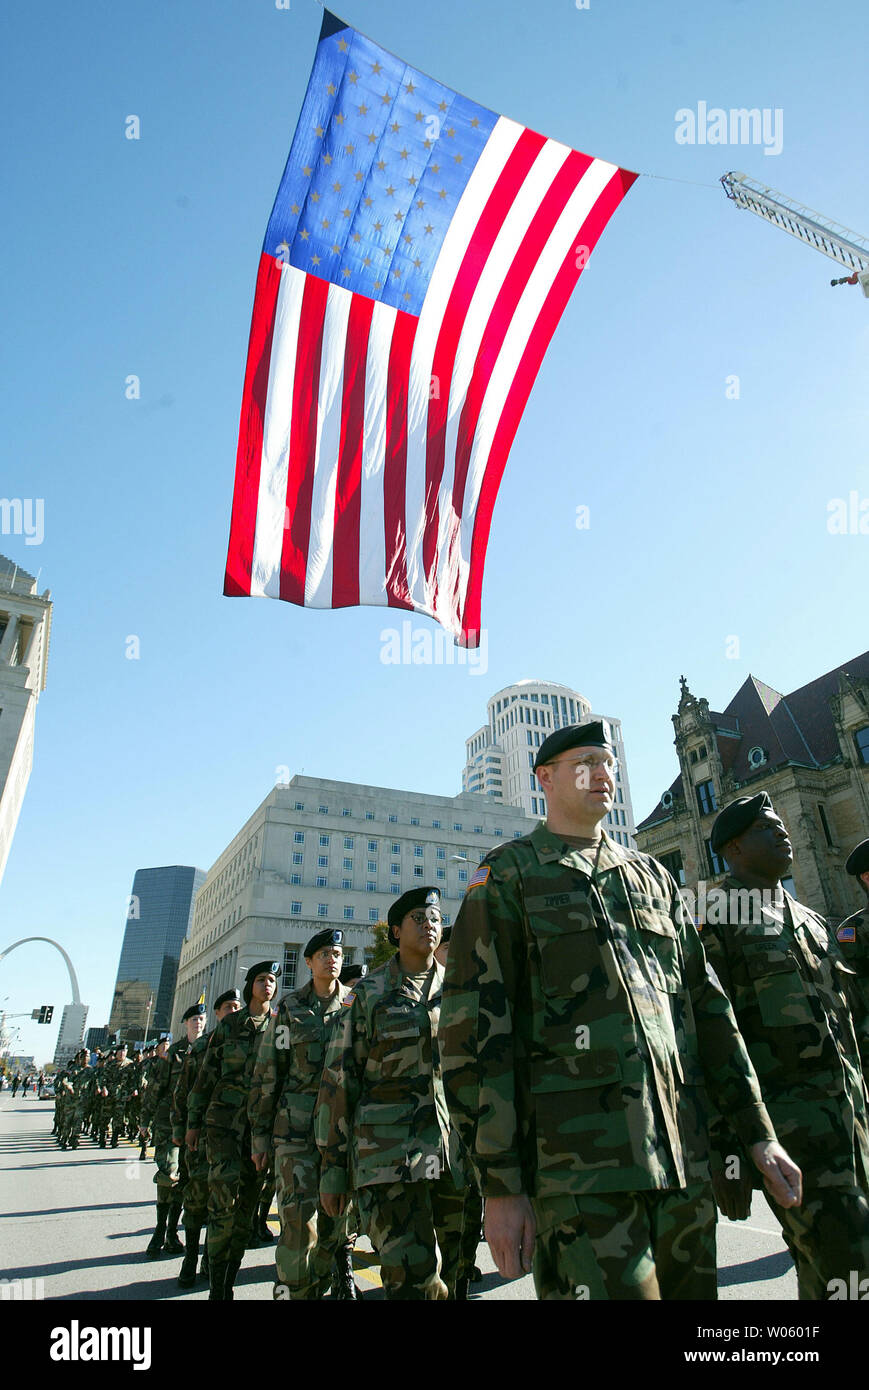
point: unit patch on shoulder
(479, 876)
(348, 999)
(846, 933)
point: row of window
(349, 912)
(321, 880)
(391, 818)
(418, 853)
(325, 840)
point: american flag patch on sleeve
(846, 934)
(479, 876)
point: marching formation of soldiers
(577, 1054)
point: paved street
(79, 1221)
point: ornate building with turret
(809, 750)
(25, 624)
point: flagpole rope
(667, 179)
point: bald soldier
(580, 1034)
(792, 993)
(286, 1080)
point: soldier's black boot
(462, 1288)
(156, 1242)
(143, 1151)
(115, 1139)
(204, 1268)
(261, 1225)
(172, 1244)
(187, 1276)
(217, 1282)
(343, 1283)
(232, 1268)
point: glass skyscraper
(158, 917)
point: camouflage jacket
(163, 1073)
(118, 1077)
(289, 1069)
(852, 936)
(183, 1087)
(790, 990)
(83, 1083)
(381, 1113)
(218, 1097)
(581, 1030)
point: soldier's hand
(781, 1176)
(733, 1195)
(259, 1161)
(333, 1203)
(191, 1139)
(510, 1231)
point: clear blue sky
(708, 515)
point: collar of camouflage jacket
(552, 849)
(308, 995)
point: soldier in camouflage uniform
(194, 1164)
(580, 1033)
(100, 1103)
(790, 990)
(381, 1121)
(134, 1096)
(82, 1084)
(118, 1074)
(163, 1077)
(219, 1101)
(286, 1081)
(853, 934)
(64, 1103)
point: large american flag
(419, 255)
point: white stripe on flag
(568, 226)
(372, 547)
(265, 579)
(504, 251)
(487, 171)
(318, 575)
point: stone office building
(809, 750)
(321, 853)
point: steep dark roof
(794, 728)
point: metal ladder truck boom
(839, 243)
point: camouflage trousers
(416, 1228)
(193, 1172)
(309, 1238)
(99, 1117)
(167, 1159)
(233, 1191)
(828, 1237)
(626, 1245)
(472, 1228)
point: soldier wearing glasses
(580, 1033)
(381, 1121)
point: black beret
(193, 1012)
(263, 967)
(414, 897)
(351, 973)
(737, 817)
(225, 997)
(593, 735)
(858, 860)
(329, 937)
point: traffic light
(45, 1013)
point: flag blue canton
(379, 161)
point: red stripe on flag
(395, 462)
(242, 529)
(303, 439)
(539, 340)
(498, 204)
(348, 496)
